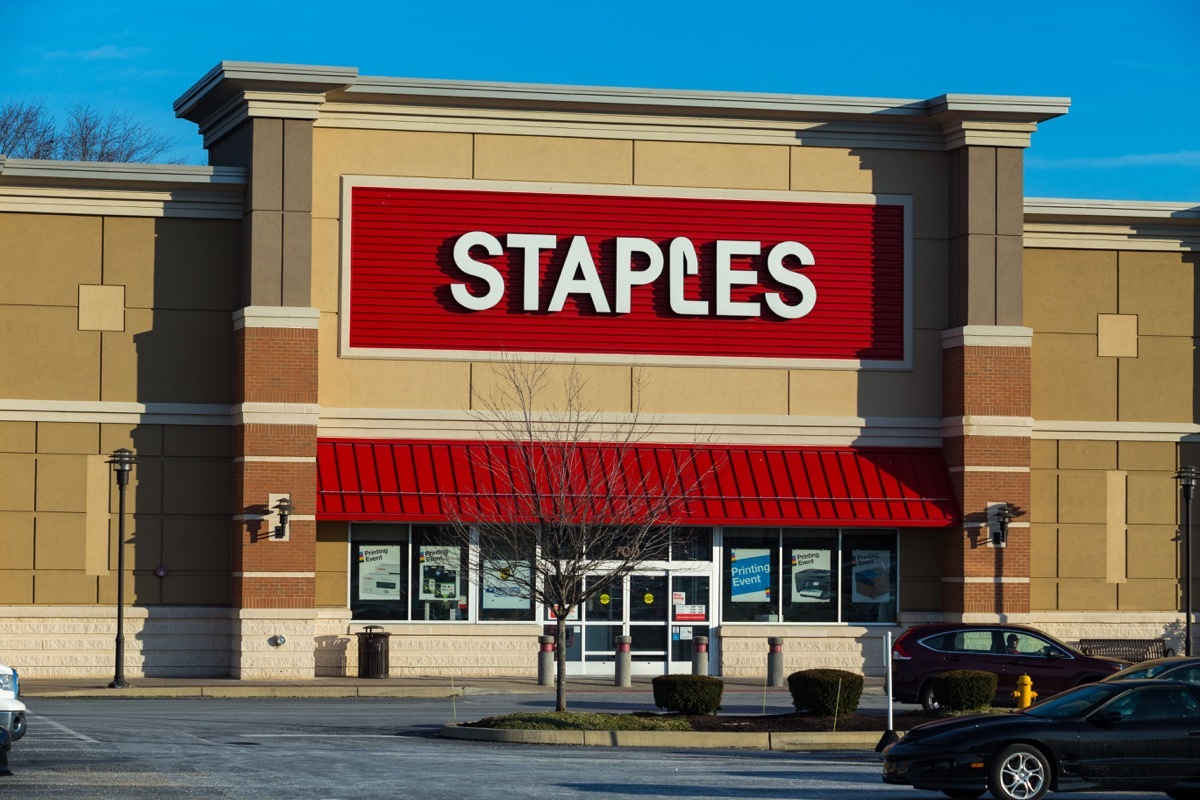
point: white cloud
(109, 52)
(1183, 158)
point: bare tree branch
(28, 130)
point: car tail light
(899, 651)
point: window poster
(870, 576)
(440, 565)
(379, 572)
(812, 579)
(504, 585)
(750, 575)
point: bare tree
(576, 501)
(28, 130)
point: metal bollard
(700, 655)
(624, 675)
(545, 661)
(775, 661)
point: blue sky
(1131, 69)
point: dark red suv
(1009, 651)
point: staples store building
(845, 307)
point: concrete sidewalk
(407, 686)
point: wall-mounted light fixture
(284, 509)
(1004, 515)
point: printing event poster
(870, 576)
(812, 579)
(379, 572)
(750, 575)
(440, 565)
(504, 585)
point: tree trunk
(560, 650)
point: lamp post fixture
(1004, 515)
(1187, 477)
(284, 508)
(122, 463)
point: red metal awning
(440, 481)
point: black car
(1178, 668)
(1138, 735)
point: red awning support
(440, 481)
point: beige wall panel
(830, 169)
(143, 542)
(196, 545)
(1117, 336)
(44, 355)
(97, 519)
(1081, 551)
(63, 587)
(399, 153)
(1115, 539)
(604, 388)
(1082, 497)
(170, 356)
(555, 159)
(62, 483)
(1043, 486)
(18, 474)
(141, 588)
(16, 540)
(1088, 277)
(333, 589)
(716, 166)
(145, 491)
(46, 257)
(143, 440)
(822, 393)
(1043, 595)
(1043, 454)
(921, 595)
(906, 394)
(931, 284)
(129, 258)
(1087, 595)
(60, 541)
(198, 440)
(16, 587)
(101, 308)
(920, 554)
(1151, 498)
(924, 175)
(1160, 289)
(196, 487)
(197, 264)
(1153, 552)
(1134, 456)
(1157, 386)
(1149, 596)
(67, 437)
(1083, 454)
(196, 590)
(682, 390)
(333, 552)
(1043, 551)
(1070, 382)
(326, 264)
(18, 437)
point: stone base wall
(272, 644)
(80, 641)
(743, 649)
(413, 650)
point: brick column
(275, 444)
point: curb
(245, 692)
(795, 742)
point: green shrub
(688, 694)
(825, 691)
(964, 689)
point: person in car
(1012, 645)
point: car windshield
(1075, 702)
(1150, 671)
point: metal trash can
(373, 652)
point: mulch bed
(804, 722)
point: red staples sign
(468, 269)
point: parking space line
(63, 728)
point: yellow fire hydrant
(1024, 692)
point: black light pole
(122, 463)
(1187, 477)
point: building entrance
(661, 612)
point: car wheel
(18, 727)
(1019, 772)
(927, 700)
(963, 794)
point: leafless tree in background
(577, 500)
(28, 130)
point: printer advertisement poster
(504, 585)
(750, 575)
(440, 565)
(870, 576)
(379, 572)
(812, 580)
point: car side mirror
(1105, 718)
(1055, 654)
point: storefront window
(691, 544)
(809, 575)
(439, 574)
(503, 592)
(378, 588)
